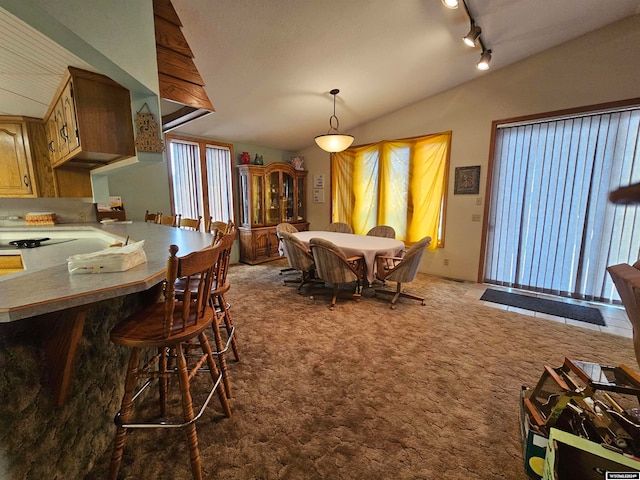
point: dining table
(367, 246)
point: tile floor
(615, 317)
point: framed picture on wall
(467, 180)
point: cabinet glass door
(272, 198)
(256, 199)
(301, 200)
(288, 205)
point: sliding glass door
(551, 226)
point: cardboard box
(569, 457)
(534, 442)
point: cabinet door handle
(26, 181)
(63, 133)
(50, 145)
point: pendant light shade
(333, 141)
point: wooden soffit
(180, 81)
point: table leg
(61, 345)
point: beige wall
(599, 67)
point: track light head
(485, 60)
(472, 37)
(452, 4)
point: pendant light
(333, 141)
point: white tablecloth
(352, 245)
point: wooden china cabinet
(269, 195)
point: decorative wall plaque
(148, 134)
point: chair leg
(335, 296)
(228, 322)
(126, 411)
(222, 356)
(187, 410)
(399, 293)
(163, 381)
(213, 371)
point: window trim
(202, 144)
(551, 116)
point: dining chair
(382, 231)
(332, 266)
(401, 270)
(339, 227)
(214, 225)
(156, 337)
(300, 258)
(170, 220)
(151, 217)
(626, 278)
(189, 223)
(284, 227)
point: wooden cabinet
(269, 195)
(24, 162)
(89, 123)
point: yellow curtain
(398, 183)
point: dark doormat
(551, 307)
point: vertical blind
(551, 226)
(201, 186)
(219, 183)
(186, 177)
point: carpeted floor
(365, 392)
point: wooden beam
(184, 92)
(176, 65)
(164, 9)
(170, 36)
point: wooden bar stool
(165, 329)
(223, 321)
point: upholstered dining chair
(157, 337)
(151, 217)
(401, 270)
(284, 227)
(332, 266)
(169, 220)
(189, 223)
(299, 256)
(626, 278)
(339, 227)
(382, 231)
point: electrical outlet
(479, 201)
(475, 217)
(446, 262)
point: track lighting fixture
(472, 37)
(485, 60)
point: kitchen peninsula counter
(46, 286)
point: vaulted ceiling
(268, 67)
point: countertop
(46, 285)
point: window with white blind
(551, 225)
(201, 174)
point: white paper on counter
(112, 259)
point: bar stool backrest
(196, 271)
